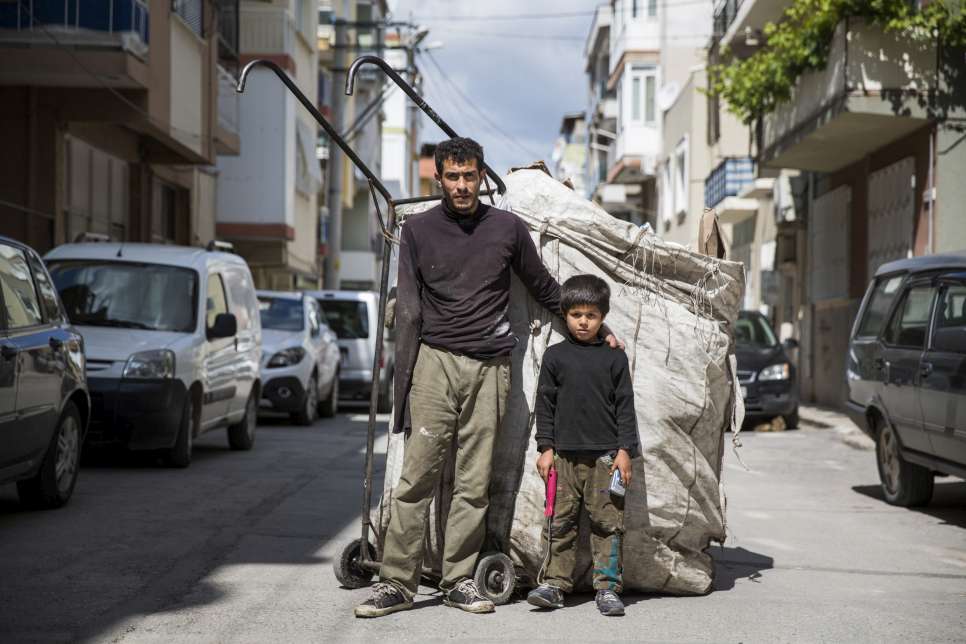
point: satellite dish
(667, 94)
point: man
(452, 373)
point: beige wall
(187, 92)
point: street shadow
(948, 502)
(139, 539)
(732, 564)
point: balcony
(728, 180)
(725, 13)
(875, 89)
(735, 18)
(228, 35)
(70, 43)
(227, 132)
(266, 31)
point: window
(950, 333)
(48, 294)
(349, 319)
(681, 177)
(20, 301)
(170, 217)
(127, 295)
(754, 330)
(651, 8)
(874, 318)
(633, 8)
(909, 324)
(643, 95)
(98, 191)
(281, 313)
(667, 194)
(216, 302)
(192, 12)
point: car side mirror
(790, 343)
(225, 326)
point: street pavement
(239, 548)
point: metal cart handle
(350, 81)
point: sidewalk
(815, 417)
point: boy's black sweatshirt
(585, 400)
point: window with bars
(192, 12)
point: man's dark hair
(585, 290)
(459, 149)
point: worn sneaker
(385, 599)
(609, 604)
(546, 596)
(467, 596)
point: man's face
(461, 184)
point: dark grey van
(906, 373)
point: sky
(522, 74)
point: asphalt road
(239, 548)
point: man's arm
(545, 405)
(531, 271)
(408, 325)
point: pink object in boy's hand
(551, 493)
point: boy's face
(584, 321)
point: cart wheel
(495, 577)
(347, 569)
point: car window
(129, 295)
(754, 330)
(281, 313)
(349, 319)
(48, 294)
(19, 295)
(884, 294)
(950, 332)
(216, 302)
(244, 303)
(911, 319)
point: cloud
(523, 85)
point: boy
(586, 429)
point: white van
(173, 342)
(352, 315)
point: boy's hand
(545, 464)
(623, 463)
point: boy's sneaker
(385, 599)
(546, 596)
(466, 596)
(609, 604)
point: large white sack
(675, 310)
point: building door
(98, 191)
(892, 210)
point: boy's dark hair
(459, 149)
(586, 290)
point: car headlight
(150, 364)
(287, 357)
(775, 372)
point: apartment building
(874, 135)
(111, 115)
(569, 157)
(267, 194)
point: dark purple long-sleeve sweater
(453, 291)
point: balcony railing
(228, 101)
(266, 30)
(728, 180)
(192, 12)
(77, 21)
(724, 14)
(228, 52)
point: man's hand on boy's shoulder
(611, 339)
(622, 462)
(545, 463)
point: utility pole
(336, 160)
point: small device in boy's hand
(551, 493)
(617, 484)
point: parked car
(768, 378)
(300, 357)
(44, 403)
(173, 342)
(352, 315)
(906, 373)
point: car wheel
(903, 483)
(180, 454)
(241, 436)
(791, 420)
(385, 397)
(53, 484)
(307, 414)
(330, 406)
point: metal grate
(192, 12)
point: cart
(359, 561)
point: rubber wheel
(791, 420)
(495, 577)
(903, 483)
(53, 484)
(330, 406)
(180, 454)
(241, 436)
(385, 397)
(347, 570)
(309, 411)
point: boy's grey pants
(451, 396)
